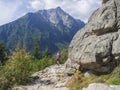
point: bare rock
(97, 46)
(104, 1)
(87, 74)
(100, 86)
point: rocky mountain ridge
(54, 29)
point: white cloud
(37, 4)
(80, 9)
(7, 11)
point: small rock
(70, 71)
(58, 85)
(87, 74)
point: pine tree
(17, 70)
(46, 53)
(36, 48)
(3, 53)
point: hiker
(58, 56)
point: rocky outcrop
(97, 46)
(104, 1)
(51, 78)
(100, 86)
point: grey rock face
(104, 1)
(99, 86)
(97, 45)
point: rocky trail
(51, 78)
(55, 78)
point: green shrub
(16, 71)
(116, 82)
(64, 56)
(42, 63)
(3, 53)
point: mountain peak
(50, 24)
(56, 16)
(53, 9)
(58, 8)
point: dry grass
(78, 80)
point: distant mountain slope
(54, 28)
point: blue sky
(10, 10)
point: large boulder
(97, 46)
(100, 86)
